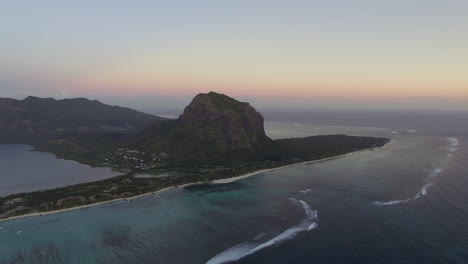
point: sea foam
(248, 248)
(233, 254)
(452, 148)
(454, 142)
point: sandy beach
(220, 181)
(232, 179)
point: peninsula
(216, 137)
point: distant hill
(34, 114)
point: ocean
(404, 203)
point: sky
(394, 54)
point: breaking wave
(452, 148)
(233, 254)
(311, 214)
(248, 248)
(454, 142)
(306, 191)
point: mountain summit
(221, 120)
(213, 127)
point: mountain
(230, 124)
(217, 129)
(212, 128)
(47, 115)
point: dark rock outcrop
(213, 128)
(217, 129)
(224, 120)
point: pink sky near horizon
(362, 51)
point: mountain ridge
(36, 114)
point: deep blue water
(24, 170)
(404, 203)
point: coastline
(94, 204)
(236, 178)
(219, 181)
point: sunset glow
(357, 50)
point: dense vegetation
(129, 184)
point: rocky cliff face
(213, 128)
(221, 120)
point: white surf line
(242, 250)
(452, 148)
